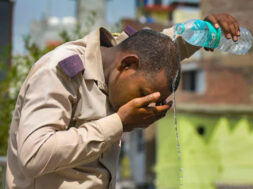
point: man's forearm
(70, 148)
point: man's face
(129, 84)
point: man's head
(146, 62)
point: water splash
(174, 37)
(176, 131)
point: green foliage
(13, 75)
(5, 107)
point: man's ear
(129, 62)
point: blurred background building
(45, 32)
(87, 7)
(88, 15)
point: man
(78, 100)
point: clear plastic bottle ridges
(202, 33)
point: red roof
(168, 8)
(159, 8)
(53, 43)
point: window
(189, 83)
(193, 79)
(158, 2)
(201, 130)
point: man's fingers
(163, 108)
(237, 29)
(208, 49)
(227, 23)
(225, 28)
(235, 24)
(233, 31)
(150, 110)
(157, 110)
(229, 26)
(146, 100)
(213, 20)
(234, 28)
(159, 116)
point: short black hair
(156, 51)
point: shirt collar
(92, 58)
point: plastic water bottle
(202, 33)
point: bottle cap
(179, 28)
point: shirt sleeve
(45, 141)
(186, 50)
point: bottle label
(213, 36)
(210, 36)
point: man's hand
(137, 114)
(228, 24)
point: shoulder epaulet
(72, 65)
(129, 30)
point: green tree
(12, 77)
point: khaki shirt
(64, 133)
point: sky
(26, 11)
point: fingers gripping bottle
(202, 33)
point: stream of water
(176, 131)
